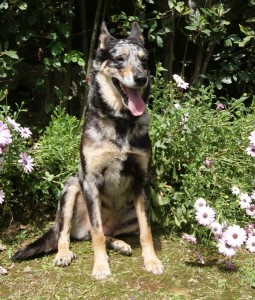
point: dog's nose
(140, 79)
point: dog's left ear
(104, 36)
(136, 33)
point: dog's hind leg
(64, 219)
(151, 262)
(118, 245)
(128, 224)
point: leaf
(243, 76)
(228, 42)
(251, 20)
(159, 41)
(226, 80)
(10, 53)
(245, 41)
(246, 30)
(81, 62)
(171, 4)
(2, 95)
(206, 31)
(4, 5)
(191, 27)
(22, 6)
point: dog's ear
(104, 36)
(136, 33)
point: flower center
(205, 215)
(235, 236)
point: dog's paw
(154, 265)
(101, 271)
(64, 259)
(122, 247)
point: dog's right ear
(104, 36)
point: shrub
(15, 161)
(199, 150)
(55, 157)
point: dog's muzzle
(132, 96)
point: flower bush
(15, 144)
(199, 151)
(33, 171)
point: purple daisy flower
(244, 200)
(235, 236)
(235, 190)
(220, 106)
(250, 244)
(251, 150)
(27, 162)
(253, 195)
(208, 162)
(5, 135)
(225, 249)
(25, 132)
(3, 149)
(200, 202)
(13, 123)
(252, 137)
(217, 229)
(189, 238)
(250, 211)
(205, 215)
(180, 82)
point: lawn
(184, 277)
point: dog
(110, 194)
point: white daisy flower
(205, 215)
(177, 106)
(244, 200)
(250, 244)
(235, 190)
(250, 211)
(199, 203)
(235, 236)
(217, 229)
(225, 249)
(253, 195)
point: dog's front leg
(101, 267)
(151, 262)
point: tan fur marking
(64, 255)
(110, 93)
(151, 262)
(101, 267)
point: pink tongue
(135, 101)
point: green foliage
(218, 44)
(7, 61)
(11, 170)
(39, 33)
(55, 156)
(186, 130)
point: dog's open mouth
(132, 98)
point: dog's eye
(120, 59)
(144, 59)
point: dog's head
(121, 71)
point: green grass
(184, 276)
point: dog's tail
(46, 243)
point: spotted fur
(110, 194)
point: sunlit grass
(184, 277)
